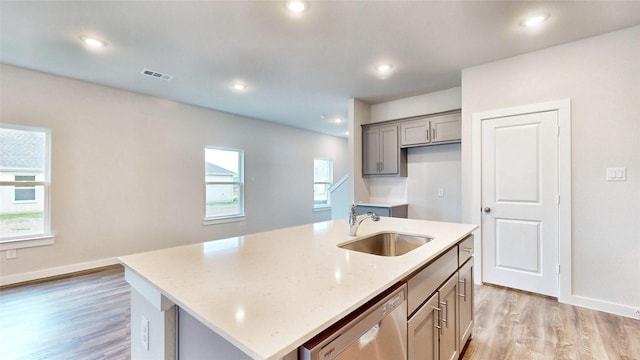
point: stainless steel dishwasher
(378, 330)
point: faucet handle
(373, 216)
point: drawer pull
(468, 249)
(445, 319)
(438, 324)
(464, 289)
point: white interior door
(520, 201)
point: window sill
(224, 220)
(322, 208)
(26, 242)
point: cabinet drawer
(429, 279)
(465, 250)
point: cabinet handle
(464, 289)
(381, 166)
(438, 324)
(434, 135)
(445, 319)
(468, 249)
(427, 134)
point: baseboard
(601, 305)
(51, 272)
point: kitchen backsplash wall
(429, 168)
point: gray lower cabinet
(465, 304)
(423, 332)
(432, 330)
(399, 211)
(439, 327)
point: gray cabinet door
(414, 132)
(423, 332)
(370, 151)
(446, 128)
(389, 150)
(449, 323)
(465, 303)
(380, 150)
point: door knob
(487, 209)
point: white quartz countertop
(268, 293)
(388, 205)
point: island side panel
(153, 321)
(197, 341)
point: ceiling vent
(156, 74)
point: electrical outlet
(11, 254)
(440, 192)
(638, 313)
(144, 333)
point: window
(25, 193)
(24, 184)
(224, 183)
(322, 180)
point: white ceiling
(297, 68)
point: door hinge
(558, 269)
(558, 199)
(558, 132)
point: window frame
(212, 220)
(327, 206)
(46, 237)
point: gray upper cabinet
(415, 132)
(381, 154)
(431, 130)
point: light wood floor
(513, 324)
(87, 317)
(82, 317)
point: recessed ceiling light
(337, 120)
(346, 133)
(383, 68)
(296, 6)
(535, 20)
(238, 86)
(93, 42)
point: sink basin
(387, 244)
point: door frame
(563, 107)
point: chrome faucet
(354, 222)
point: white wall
(128, 170)
(601, 76)
(432, 168)
(429, 168)
(431, 103)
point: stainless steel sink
(387, 244)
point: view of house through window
(224, 183)
(24, 182)
(322, 180)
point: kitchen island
(266, 294)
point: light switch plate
(617, 174)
